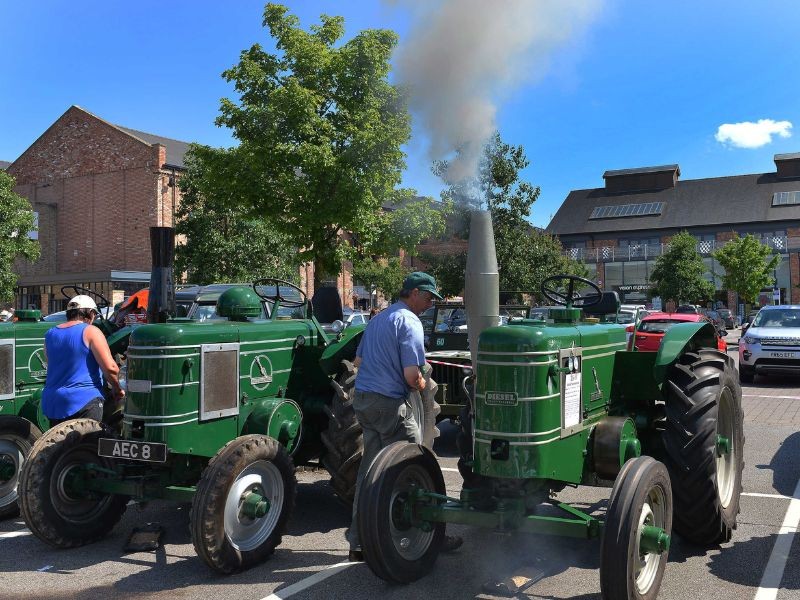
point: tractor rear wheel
(343, 440)
(51, 500)
(704, 445)
(396, 549)
(635, 540)
(17, 437)
(243, 503)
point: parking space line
(449, 469)
(306, 583)
(761, 396)
(760, 495)
(771, 580)
(13, 534)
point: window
(627, 210)
(784, 198)
(34, 233)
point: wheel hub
(726, 451)
(252, 505)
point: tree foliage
(224, 243)
(16, 220)
(320, 131)
(448, 270)
(678, 273)
(525, 255)
(408, 222)
(748, 265)
(386, 275)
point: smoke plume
(462, 56)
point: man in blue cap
(390, 358)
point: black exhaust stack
(161, 299)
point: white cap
(82, 301)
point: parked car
(688, 309)
(650, 332)
(717, 320)
(771, 344)
(727, 318)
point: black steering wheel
(68, 291)
(277, 296)
(571, 299)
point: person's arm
(414, 378)
(99, 346)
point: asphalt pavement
(762, 561)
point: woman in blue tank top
(76, 355)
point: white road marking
(759, 495)
(306, 583)
(13, 534)
(450, 469)
(771, 580)
(770, 397)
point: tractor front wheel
(53, 501)
(635, 540)
(396, 547)
(243, 503)
(704, 445)
(17, 437)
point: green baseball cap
(421, 281)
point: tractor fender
(679, 339)
(343, 347)
(118, 341)
(31, 410)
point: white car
(771, 344)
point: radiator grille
(219, 391)
(6, 370)
(780, 341)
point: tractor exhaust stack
(161, 299)
(482, 281)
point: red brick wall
(101, 189)
(794, 276)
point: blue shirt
(73, 375)
(392, 341)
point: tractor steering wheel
(571, 298)
(277, 296)
(68, 291)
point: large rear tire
(395, 549)
(641, 497)
(243, 503)
(704, 445)
(17, 437)
(54, 506)
(343, 440)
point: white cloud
(752, 135)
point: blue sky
(626, 84)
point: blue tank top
(73, 375)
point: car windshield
(781, 317)
(657, 326)
(447, 319)
(724, 312)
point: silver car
(771, 343)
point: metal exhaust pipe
(481, 281)
(161, 299)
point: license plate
(145, 451)
(782, 354)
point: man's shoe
(356, 556)
(451, 543)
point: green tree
(748, 265)
(448, 270)
(385, 276)
(320, 130)
(16, 220)
(223, 242)
(678, 273)
(525, 255)
(408, 221)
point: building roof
(176, 149)
(4, 165)
(716, 201)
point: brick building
(96, 188)
(621, 229)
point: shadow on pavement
(784, 465)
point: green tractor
(217, 413)
(23, 369)
(564, 404)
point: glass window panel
(613, 275)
